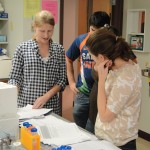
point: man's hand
(73, 88)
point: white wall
(19, 28)
(143, 58)
(15, 24)
(70, 29)
(70, 22)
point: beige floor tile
(143, 144)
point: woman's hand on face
(102, 68)
(39, 103)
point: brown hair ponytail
(105, 43)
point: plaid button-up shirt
(34, 76)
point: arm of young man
(70, 75)
(71, 55)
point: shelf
(4, 26)
(139, 51)
(3, 19)
(133, 33)
(138, 34)
(3, 43)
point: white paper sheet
(4, 57)
(95, 145)
(27, 112)
(55, 131)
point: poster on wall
(52, 6)
(31, 7)
(136, 42)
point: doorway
(75, 15)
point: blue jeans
(81, 110)
(90, 126)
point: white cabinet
(5, 67)
(138, 29)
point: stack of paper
(58, 132)
(29, 113)
(95, 145)
(54, 130)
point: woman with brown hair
(119, 89)
(93, 94)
